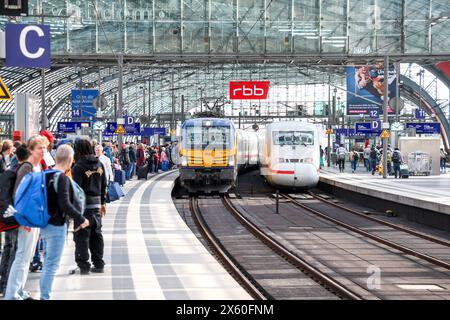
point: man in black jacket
(132, 154)
(90, 175)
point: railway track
(275, 252)
(380, 221)
(326, 215)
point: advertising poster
(365, 88)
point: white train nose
(293, 175)
(306, 175)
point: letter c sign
(28, 46)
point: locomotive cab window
(293, 138)
(198, 137)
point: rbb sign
(249, 90)
(28, 46)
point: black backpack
(7, 182)
(7, 220)
(396, 157)
(373, 154)
(125, 157)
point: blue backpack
(30, 200)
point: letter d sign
(28, 46)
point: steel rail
(381, 240)
(224, 256)
(320, 277)
(386, 223)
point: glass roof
(143, 27)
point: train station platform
(425, 192)
(150, 253)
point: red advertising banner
(444, 67)
(249, 90)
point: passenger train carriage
(208, 155)
(289, 154)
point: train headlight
(280, 160)
(309, 160)
(184, 162)
(231, 161)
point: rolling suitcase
(142, 172)
(404, 171)
(119, 177)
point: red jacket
(140, 157)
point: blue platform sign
(420, 114)
(132, 130)
(425, 127)
(71, 127)
(376, 126)
(374, 114)
(27, 46)
(147, 132)
(87, 109)
(363, 127)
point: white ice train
(247, 154)
(289, 154)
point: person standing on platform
(125, 159)
(151, 159)
(321, 157)
(62, 205)
(89, 174)
(156, 158)
(14, 161)
(27, 237)
(366, 155)
(354, 157)
(396, 161)
(373, 159)
(341, 153)
(10, 246)
(132, 169)
(108, 151)
(105, 162)
(174, 154)
(6, 154)
(140, 156)
(443, 161)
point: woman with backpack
(27, 237)
(63, 203)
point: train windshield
(293, 138)
(198, 137)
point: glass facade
(146, 27)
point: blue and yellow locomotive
(208, 155)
